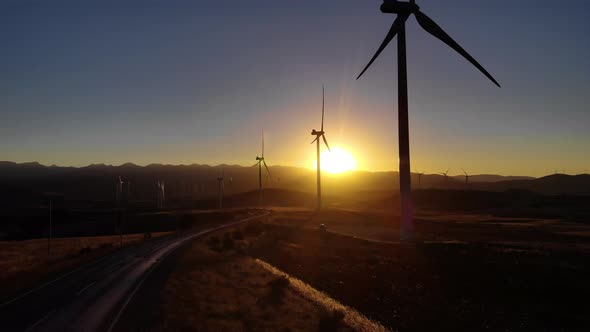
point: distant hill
(190, 182)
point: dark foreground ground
(471, 275)
(493, 278)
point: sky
(182, 82)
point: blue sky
(194, 82)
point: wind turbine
(119, 189)
(403, 11)
(260, 161)
(420, 178)
(161, 194)
(220, 187)
(445, 174)
(317, 135)
(466, 177)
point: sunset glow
(337, 161)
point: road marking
(30, 328)
(174, 246)
(85, 288)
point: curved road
(92, 297)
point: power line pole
(49, 235)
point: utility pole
(49, 235)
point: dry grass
(25, 263)
(333, 308)
(212, 290)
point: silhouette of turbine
(420, 178)
(221, 187)
(260, 161)
(466, 177)
(160, 194)
(445, 174)
(317, 135)
(403, 11)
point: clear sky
(175, 82)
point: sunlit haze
(336, 161)
(182, 82)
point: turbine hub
(316, 133)
(399, 7)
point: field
(474, 274)
(26, 263)
(211, 285)
(466, 272)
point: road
(92, 297)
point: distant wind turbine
(220, 187)
(445, 174)
(420, 178)
(317, 135)
(403, 11)
(260, 161)
(161, 194)
(466, 177)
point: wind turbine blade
(395, 27)
(262, 143)
(256, 164)
(434, 29)
(323, 98)
(267, 170)
(464, 171)
(316, 138)
(326, 142)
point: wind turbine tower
(317, 135)
(220, 188)
(260, 162)
(403, 10)
(466, 177)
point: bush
(237, 235)
(85, 250)
(106, 245)
(330, 320)
(213, 243)
(228, 243)
(278, 287)
(254, 229)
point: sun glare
(337, 161)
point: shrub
(228, 243)
(278, 287)
(237, 235)
(85, 250)
(330, 320)
(254, 229)
(213, 243)
(106, 245)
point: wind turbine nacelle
(398, 7)
(316, 133)
(259, 158)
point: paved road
(92, 297)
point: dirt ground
(210, 285)
(473, 274)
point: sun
(337, 161)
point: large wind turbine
(260, 161)
(317, 135)
(403, 11)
